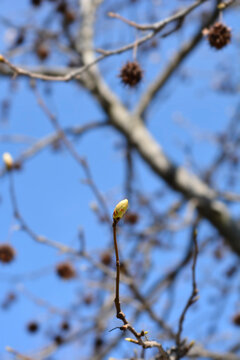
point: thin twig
(173, 64)
(81, 161)
(193, 297)
(157, 26)
(120, 315)
(76, 73)
(117, 299)
(54, 244)
(50, 140)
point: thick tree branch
(177, 177)
(132, 127)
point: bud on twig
(8, 161)
(120, 209)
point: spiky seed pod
(131, 73)
(219, 35)
(32, 327)
(7, 253)
(65, 271)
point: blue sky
(54, 200)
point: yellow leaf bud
(8, 160)
(120, 209)
(131, 340)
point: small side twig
(193, 297)
(157, 26)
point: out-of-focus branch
(54, 244)
(186, 49)
(158, 26)
(50, 140)
(84, 45)
(48, 72)
(17, 354)
(192, 299)
(154, 28)
(73, 152)
(198, 351)
(43, 75)
(178, 178)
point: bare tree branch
(174, 63)
(158, 26)
(198, 351)
(178, 178)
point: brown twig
(120, 315)
(69, 75)
(157, 26)
(17, 354)
(117, 299)
(192, 299)
(76, 73)
(174, 63)
(54, 244)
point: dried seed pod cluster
(131, 73)
(219, 35)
